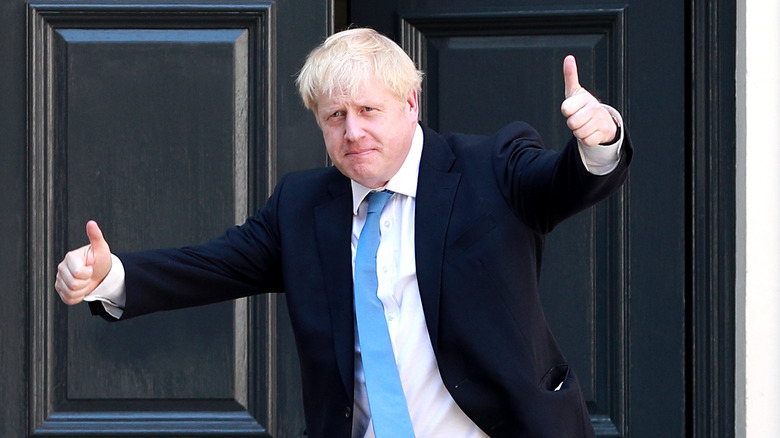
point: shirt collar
(404, 181)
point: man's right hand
(82, 269)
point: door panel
(605, 286)
(119, 83)
(477, 59)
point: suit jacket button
(348, 412)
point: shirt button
(387, 224)
(348, 412)
(390, 316)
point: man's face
(368, 135)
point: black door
(617, 279)
(170, 121)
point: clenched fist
(82, 269)
(588, 120)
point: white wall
(758, 227)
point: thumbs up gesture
(82, 269)
(588, 120)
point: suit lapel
(436, 188)
(334, 227)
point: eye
(368, 108)
(336, 114)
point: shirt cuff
(111, 291)
(601, 159)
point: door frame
(711, 213)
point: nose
(353, 128)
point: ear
(414, 106)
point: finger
(599, 129)
(584, 131)
(68, 296)
(571, 78)
(594, 139)
(75, 263)
(70, 291)
(578, 119)
(65, 275)
(571, 105)
(98, 244)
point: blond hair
(347, 59)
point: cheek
(332, 143)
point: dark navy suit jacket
(484, 205)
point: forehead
(367, 91)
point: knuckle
(67, 282)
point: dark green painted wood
(638, 289)
(13, 221)
(164, 122)
(678, 218)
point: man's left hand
(588, 120)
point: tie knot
(377, 200)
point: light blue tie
(386, 399)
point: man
(454, 276)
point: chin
(368, 179)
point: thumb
(571, 78)
(99, 245)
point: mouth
(359, 153)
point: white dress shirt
(433, 412)
(432, 409)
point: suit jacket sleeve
(545, 187)
(244, 261)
